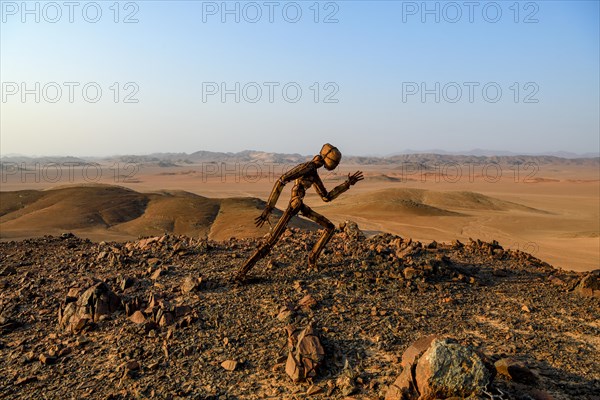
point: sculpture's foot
(312, 265)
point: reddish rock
(352, 231)
(556, 281)
(305, 353)
(410, 273)
(181, 311)
(403, 387)
(77, 324)
(137, 317)
(95, 304)
(145, 243)
(314, 389)
(307, 302)
(156, 274)
(26, 379)
(229, 365)
(414, 351)
(166, 319)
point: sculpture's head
(331, 156)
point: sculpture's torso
(301, 185)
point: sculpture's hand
(355, 177)
(262, 218)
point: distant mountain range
(493, 153)
(409, 156)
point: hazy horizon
(472, 152)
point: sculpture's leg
(266, 247)
(327, 234)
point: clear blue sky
(375, 61)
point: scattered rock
(409, 273)
(285, 312)
(352, 231)
(132, 365)
(366, 308)
(165, 318)
(8, 325)
(190, 284)
(556, 281)
(346, 381)
(47, 359)
(96, 303)
(229, 365)
(307, 302)
(156, 274)
(403, 387)
(6, 271)
(314, 389)
(589, 285)
(145, 243)
(26, 379)
(137, 317)
(126, 282)
(305, 353)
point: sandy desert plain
(546, 206)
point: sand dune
(70, 208)
(554, 214)
(121, 213)
(423, 202)
(236, 219)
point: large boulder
(448, 369)
(436, 368)
(95, 304)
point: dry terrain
(159, 318)
(547, 206)
(131, 296)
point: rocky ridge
(159, 318)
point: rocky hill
(159, 318)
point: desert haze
(546, 206)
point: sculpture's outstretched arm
(328, 196)
(292, 174)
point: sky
(372, 77)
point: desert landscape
(447, 277)
(298, 200)
(547, 206)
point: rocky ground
(159, 318)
